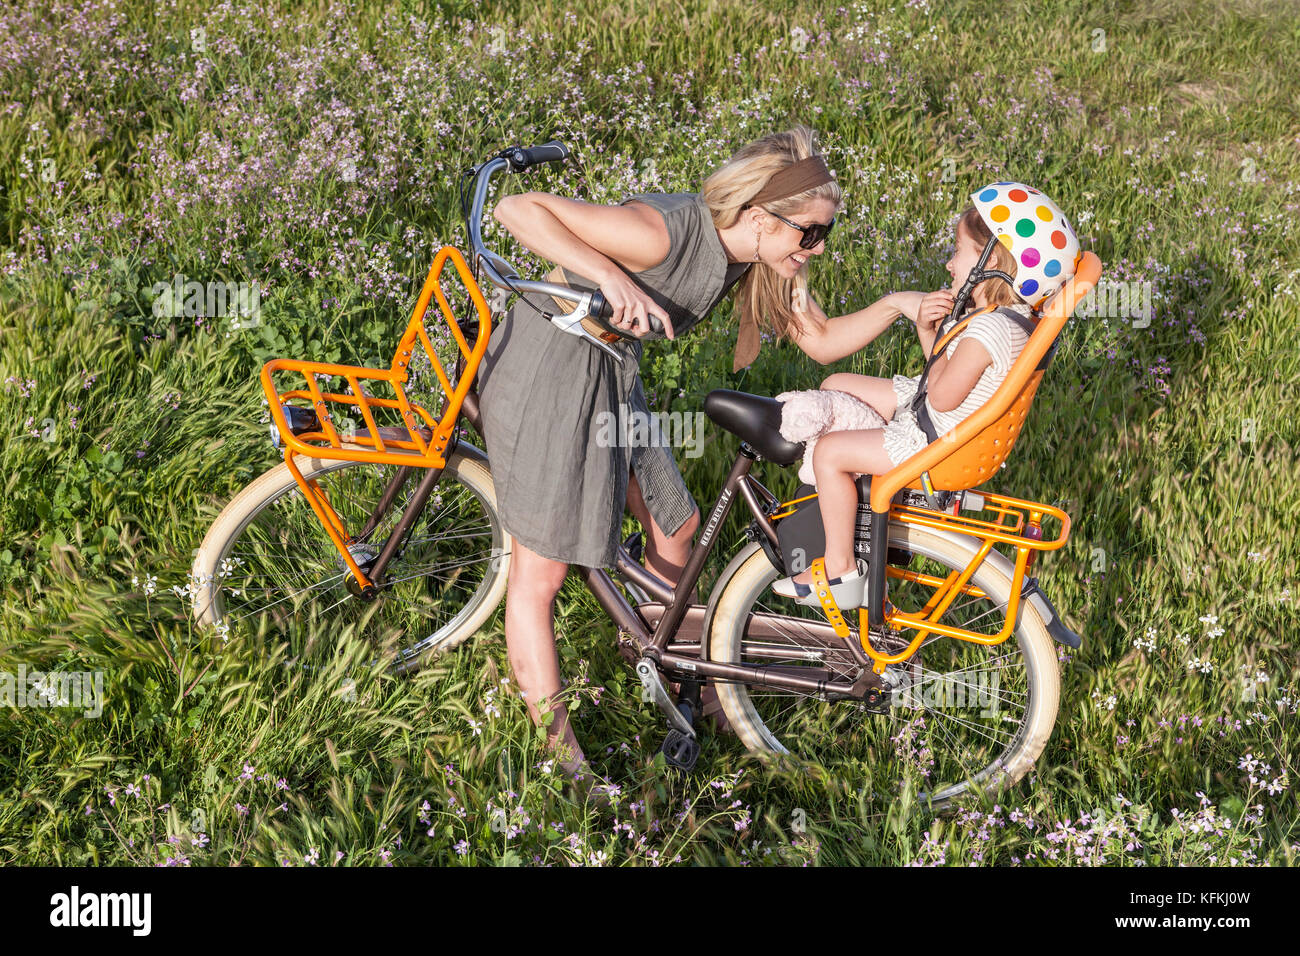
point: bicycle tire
(745, 585)
(467, 477)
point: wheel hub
(364, 555)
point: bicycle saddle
(756, 419)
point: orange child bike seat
(970, 453)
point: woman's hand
(908, 303)
(632, 307)
(934, 308)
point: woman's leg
(876, 392)
(665, 555)
(835, 460)
(531, 587)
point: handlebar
(521, 158)
(587, 305)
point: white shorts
(903, 437)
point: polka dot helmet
(1035, 232)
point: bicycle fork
(374, 569)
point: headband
(794, 179)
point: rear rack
(1019, 524)
(1012, 522)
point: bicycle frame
(647, 632)
(652, 631)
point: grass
(317, 152)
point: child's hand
(907, 303)
(934, 308)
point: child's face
(964, 257)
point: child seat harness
(918, 402)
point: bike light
(300, 420)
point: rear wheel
(267, 563)
(963, 716)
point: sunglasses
(812, 234)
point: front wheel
(267, 564)
(964, 717)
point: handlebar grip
(600, 306)
(602, 310)
(522, 158)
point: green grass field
(317, 153)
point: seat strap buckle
(931, 495)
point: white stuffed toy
(807, 416)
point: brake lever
(571, 323)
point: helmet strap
(977, 275)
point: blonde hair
(762, 292)
(996, 291)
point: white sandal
(849, 590)
(790, 588)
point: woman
(560, 493)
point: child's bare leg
(876, 392)
(837, 457)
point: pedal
(680, 751)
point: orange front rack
(420, 440)
(328, 443)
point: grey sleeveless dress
(561, 488)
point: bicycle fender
(472, 452)
(1047, 611)
(743, 555)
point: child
(1038, 249)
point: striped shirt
(1004, 341)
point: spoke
(326, 583)
(472, 533)
(972, 725)
(966, 773)
(948, 677)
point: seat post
(876, 568)
(709, 528)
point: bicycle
(420, 565)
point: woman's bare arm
(826, 340)
(592, 241)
